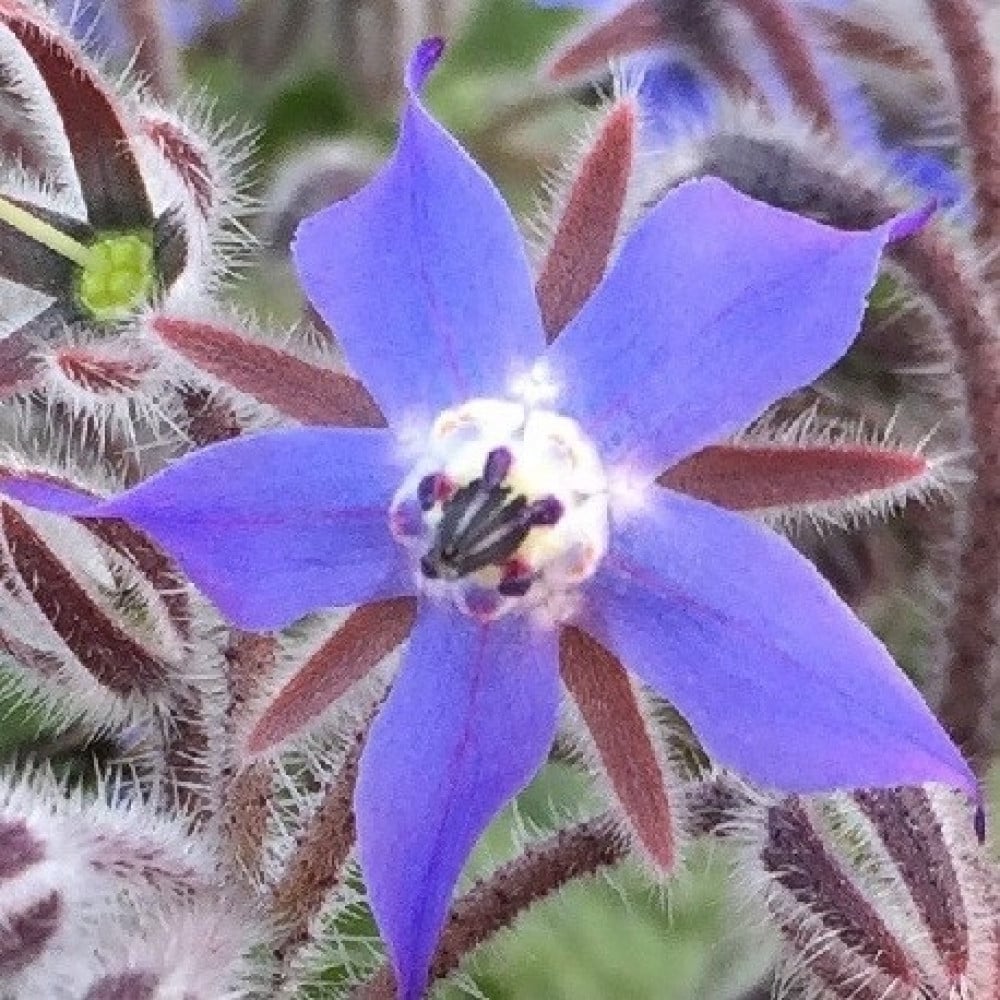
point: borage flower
(132, 227)
(511, 505)
(97, 270)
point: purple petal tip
(425, 57)
(912, 222)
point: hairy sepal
(329, 668)
(811, 470)
(586, 215)
(198, 168)
(876, 894)
(98, 624)
(298, 383)
(619, 741)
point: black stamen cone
(484, 524)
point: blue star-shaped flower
(513, 494)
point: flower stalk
(495, 901)
(779, 29)
(42, 232)
(960, 25)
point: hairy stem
(971, 632)
(959, 22)
(869, 43)
(157, 59)
(320, 855)
(247, 791)
(494, 903)
(778, 29)
(185, 750)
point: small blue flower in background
(514, 492)
(677, 93)
(99, 21)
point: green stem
(42, 232)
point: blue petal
(93, 23)
(423, 275)
(50, 496)
(269, 527)
(675, 98)
(469, 721)
(853, 109)
(189, 17)
(930, 174)
(775, 674)
(923, 169)
(716, 306)
(100, 23)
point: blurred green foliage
(623, 935)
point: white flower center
(506, 509)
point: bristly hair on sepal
(876, 894)
(99, 626)
(619, 742)
(578, 223)
(820, 470)
(329, 671)
(77, 860)
(291, 375)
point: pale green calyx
(118, 275)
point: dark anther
(515, 586)
(427, 492)
(498, 463)
(545, 512)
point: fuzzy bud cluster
(877, 895)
